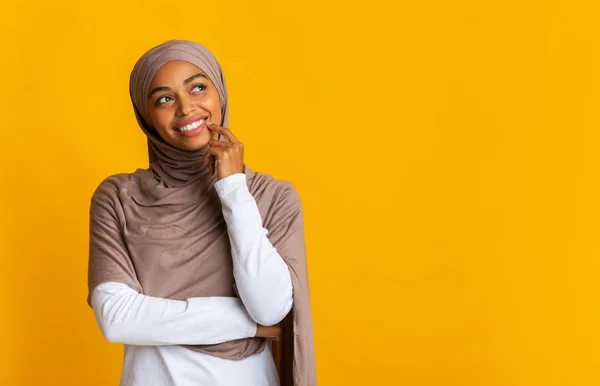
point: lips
(190, 124)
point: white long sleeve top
(153, 329)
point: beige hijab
(161, 229)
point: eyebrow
(164, 88)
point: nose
(186, 105)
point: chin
(192, 144)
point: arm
(126, 316)
(262, 276)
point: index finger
(224, 131)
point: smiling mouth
(191, 126)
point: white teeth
(191, 126)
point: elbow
(266, 318)
(121, 333)
(111, 332)
(111, 317)
(126, 334)
(112, 337)
(270, 310)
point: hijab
(161, 229)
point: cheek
(212, 104)
(161, 118)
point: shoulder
(288, 194)
(110, 186)
(109, 189)
(280, 192)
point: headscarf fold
(161, 229)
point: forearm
(262, 276)
(125, 316)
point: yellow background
(446, 153)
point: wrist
(228, 184)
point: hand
(229, 155)
(271, 332)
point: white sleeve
(128, 317)
(261, 275)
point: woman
(196, 260)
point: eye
(163, 99)
(198, 88)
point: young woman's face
(181, 102)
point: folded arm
(128, 317)
(262, 277)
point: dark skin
(180, 92)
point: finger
(209, 161)
(220, 144)
(207, 157)
(214, 135)
(212, 163)
(217, 152)
(224, 131)
(276, 332)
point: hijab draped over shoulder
(161, 229)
